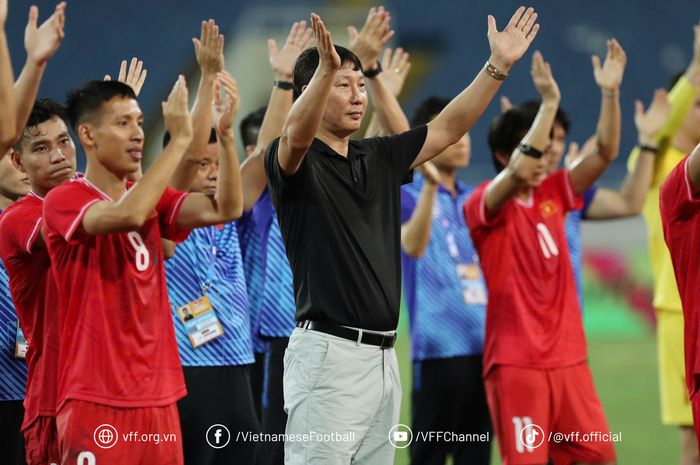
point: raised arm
(282, 63)
(415, 233)
(304, 118)
(227, 204)
(591, 165)
(396, 65)
(209, 50)
(41, 43)
(8, 121)
(507, 47)
(132, 210)
(630, 199)
(367, 45)
(523, 168)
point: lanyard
(211, 263)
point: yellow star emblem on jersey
(548, 208)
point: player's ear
(502, 158)
(17, 160)
(86, 135)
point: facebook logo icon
(218, 436)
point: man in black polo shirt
(338, 204)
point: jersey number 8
(143, 258)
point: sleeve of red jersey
(570, 199)
(168, 209)
(64, 209)
(475, 211)
(677, 201)
(26, 223)
(14, 231)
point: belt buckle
(387, 341)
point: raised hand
(609, 75)
(430, 173)
(369, 42)
(693, 71)
(209, 48)
(543, 79)
(282, 61)
(574, 152)
(510, 44)
(134, 77)
(42, 42)
(506, 104)
(226, 102)
(176, 114)
(649, 123)
(396, 65)
(329, 60)
(3, 18)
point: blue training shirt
(574, 241)
(212, 255)
(445, 290)
(13, 371)
(276, 301)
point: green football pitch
(626, 379)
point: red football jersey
(681, 222)
(118, 344)
(34, 294)
(533, 317)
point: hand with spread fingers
(209, 49)
(574, 152)
(226, 102)
(329, 60)
(510, 44)
(396, 65)
(543, 79)
(42, 41)
(176, 114)
(608, 76)
(375, 34)
(651, 121)
(134, 77)
(282, 61)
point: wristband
(648, 148)
(530, 151)
(495, 72)
(373, 72)
(284, 85)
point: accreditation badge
(200, 321)
(473, 289)
(20, 343)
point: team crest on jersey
(548, 208)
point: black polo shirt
(340, 219)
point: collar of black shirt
(356, 149)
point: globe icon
(105, 436)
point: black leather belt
(381, 340)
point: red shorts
(41, 442)
(96, 433)
(548, 414)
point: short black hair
(86, 100)
(250, 126)
(212, 137)
(43, 110)
(428, 109)
(508, 129)
(307, 62)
